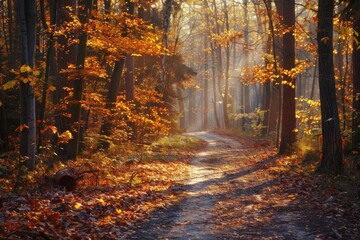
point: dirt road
(229, 194)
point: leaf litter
(236, 189)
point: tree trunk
(206, 84)
(129, 88)
(166, 26)
(180, 97)
(113, 91)
(332, 157)
(227, 72)
(50, 68)
(114, 85)
(11, 61)
(84, 11)
(4, 141)
(213, 69)
(356, 89)
(288, 120)
(65, 55)
(27, 20)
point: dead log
(66, 178)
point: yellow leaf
(65, 136)
(36, 73)
(9, 84)
(101, 201)
(25, 80)
(118, 211)
(78, 205)
(25, 68)
(51, 88)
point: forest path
(230, 194)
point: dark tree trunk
(356, 89)
(113, 91)
(51, 66)
(288, 121)
(4, 141)
(114, 86)
(332, 157)
(27, 20)
(84, 12)
(11, 61)
(65, 55)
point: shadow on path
(203, 211)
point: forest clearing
(179, 119)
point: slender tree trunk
(288, 121)
(180, 97)
(27, 19)
(65, 55)
(50, 68)
(227, 71)
(166, 26)
(11, 60)
(84, 12)
(4, 140)
(332, 157)
(129, 88)
(213, 69)
(267, 84)
(312, 92)
(356, 89)
(206, 84)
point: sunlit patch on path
(229, 194)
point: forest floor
(232, 188)
(240, 189)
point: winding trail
(227, 196)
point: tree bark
(180, 97)
(114, 85)
(227, 72)
(206, 84)
(332, 157)
(288, 121)
(84, 11)
(27, 20)
(356, 89)
(4, 140)
(166, 26)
